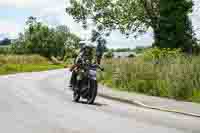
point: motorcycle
(85, 83)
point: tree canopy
(168, 18)
(38, 38)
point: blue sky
(13, 14)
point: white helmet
(84, 44)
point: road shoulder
(162, 104)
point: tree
(127, 16)
(135, 17)
(109, 54)
(131, 56)
(175, 25)
(38, 38)
(5, 41)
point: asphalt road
(42, 103)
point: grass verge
(177, 78)
(10, 64)
(17, 68)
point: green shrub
(109, 54)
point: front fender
(93, 74)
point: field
(10, 64)
(177, 78)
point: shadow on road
(95, 104)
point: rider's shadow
(94, 104)
(84, 102)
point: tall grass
(23, 59)
(175, 77)
(25, 63)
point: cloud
(30, 3)
(57, 16)
(196, 17)
(53, 13)
(116, 40)
(15, 3)
(10, 29)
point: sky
(13, 14)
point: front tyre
(76, 97)
(93, 92)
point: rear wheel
(93, 92)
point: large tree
(175, 26)
(134, 17)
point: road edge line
(140, 104)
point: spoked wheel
(93, 92)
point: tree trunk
(156, 37)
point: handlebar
(84, 62)
(97, 66)
(101, 68)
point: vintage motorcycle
(85, 83)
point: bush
(160, 55)
(5, 50)
(131, 56)
(109, 54)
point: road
(41, 103)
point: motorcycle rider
(86, 52)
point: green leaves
(175, 26)
(168, 19)
(38, 38)
(126, 16)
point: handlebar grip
(101, 68)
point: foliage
(176, 29)
(127, 15)
(109, 54)
(131, 56)
(5, 49)
(157, 54)
(168, 19)
(140, 49)
(38, 38)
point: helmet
(82, 42)
(85, 45)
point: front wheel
(76, 97)
(93, 92)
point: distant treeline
(39, 38)
(138, 49)
(5, 42)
